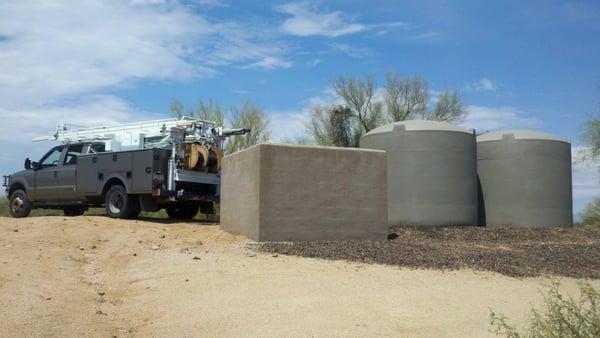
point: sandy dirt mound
(95, 276)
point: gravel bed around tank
(515, 252)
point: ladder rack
(138, 135)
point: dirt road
(94, 276)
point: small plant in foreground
(561, 316)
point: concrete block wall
(276, 192)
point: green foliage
(209, 111)
(358, 108)
(591, 137)
(449, 108)
(590, 216)
(251, 117)
(561, 316)
(333, 126)
(246, 115)
(358, 97)
(406, 98)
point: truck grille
(5, 180)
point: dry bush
(590, 216)
(561, 316)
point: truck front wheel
(119, 204)
(20, 206)
(185, 211)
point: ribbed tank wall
(432, 178)
(525, 179)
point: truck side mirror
(27, 164)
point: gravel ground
(514, 252)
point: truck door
(46, 177)
(67, 173)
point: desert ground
(100, 277)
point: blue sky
(518, 64)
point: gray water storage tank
(525, 179)
(431, 170)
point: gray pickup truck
(173, 164)
(76, 176)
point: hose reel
(201, 158)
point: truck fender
(113, 179)
(19, 183)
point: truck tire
(74, 211)
(119, 204)
(183, 211)
(19, 204)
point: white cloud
(288, 124)
(484, 84)
(270, 62)
(54, 49)
(484, 118)
(215, 3)
(313, 63)
(21, 125)
(427, 36)
(307, 20)
(91, 110)
(352, 51)
(56, 57)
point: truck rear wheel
(119, 204)
(20, 206)
(185, 211)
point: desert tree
(245, 115)
(334, 126)
(408, 98)
(405, 98)
(177, 108)
(366, 107)
(209, 111)
(358, 95)
(590, 153)
(591, 137)
(448, 108)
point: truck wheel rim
(17, 204)
(116, 202)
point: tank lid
(518, 135)
(420, 125)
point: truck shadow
(175, 221)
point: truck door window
(97, 148)
(52, 157)
(72, 153)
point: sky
(518, 64)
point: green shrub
(561, 316)
(590, 216)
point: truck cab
(49, 182)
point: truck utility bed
(142, 171)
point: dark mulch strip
(514, 252)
